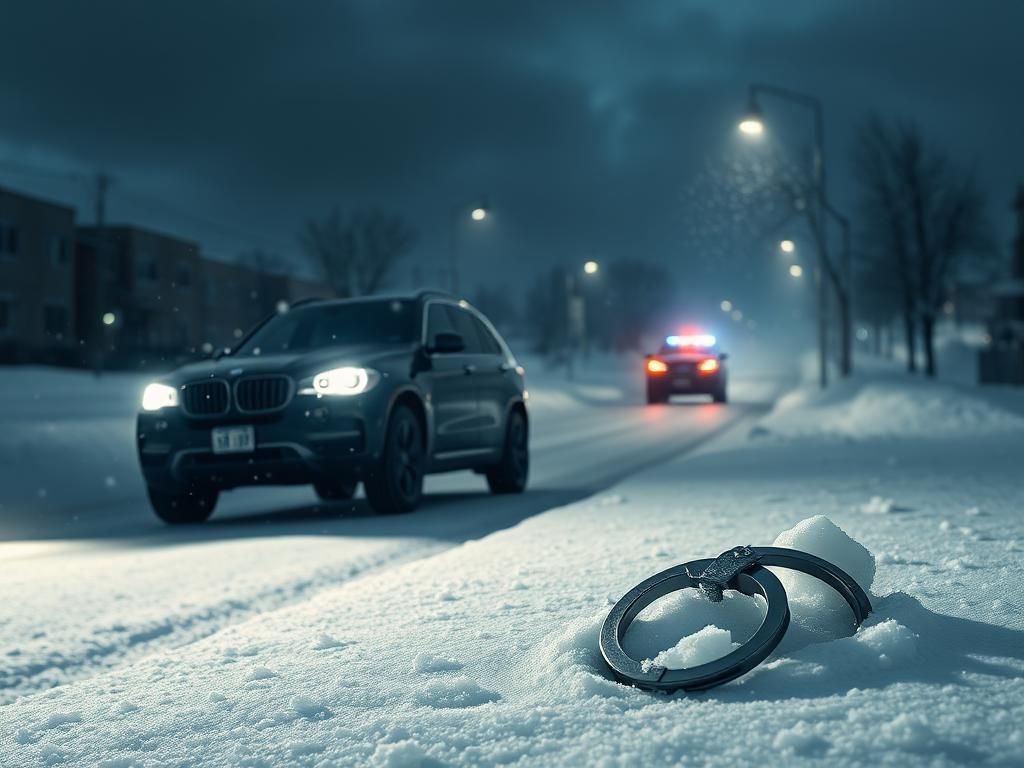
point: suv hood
(296, 365)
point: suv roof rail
(427, 292)
(307, 300)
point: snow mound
(671, 627)
(326, 642)
(877, 505)
(817, 611)
(693, 650)
(457, 693)
(427, 662)
(308, 707)
(897, 408)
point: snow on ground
(487, 652)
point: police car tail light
(708, 366)
(657, 366)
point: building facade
(139, 296)
(122, 296)
(37, 296)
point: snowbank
(866, 408)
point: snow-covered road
(84, 550)
(486, 653)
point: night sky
(588, 126)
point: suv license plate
(682, 382)
(233, 439)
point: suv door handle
(469, 369)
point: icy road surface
(114, 584)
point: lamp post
(478, 211)
(752, 125)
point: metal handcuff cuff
(742, 569)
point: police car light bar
(700, 340)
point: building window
(55, 320)
(6, 314)
(146, 268)
(59, 253)
(8, 240)
(183, 276)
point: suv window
(465, 326)
(489, 344)
(333, 325)
(438, 321)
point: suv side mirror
(447, 344)
(723, 357)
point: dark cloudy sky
(586, 124)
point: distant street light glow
(787, 246)
(726, 305)
(796, 270)
(479, 214)
(109, 318)
(737, 315)
(751, 126)
(591, 267)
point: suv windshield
(313, 327)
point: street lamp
(787, 246)
(726, 305)
(477, 212)
(591, 267)
(795, 270)
(752, 124)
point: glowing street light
(737, 315)
(479, 213)
(795, 270)
(726, 305)
(109, 318)
(591, 267)
(752, 126)
(787, 246)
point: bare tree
(887, 226)
(358, 252)
(931, 216)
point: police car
(688, 364)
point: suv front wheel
(396, 483)
(511, 474)
(183, 507)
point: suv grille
(262, 393)
(205, 398)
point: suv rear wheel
(396, 483)
(511, 474)
(183, 507)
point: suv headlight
(345, 381)
(157, 396)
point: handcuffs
(741, 569)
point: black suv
(378, 390)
